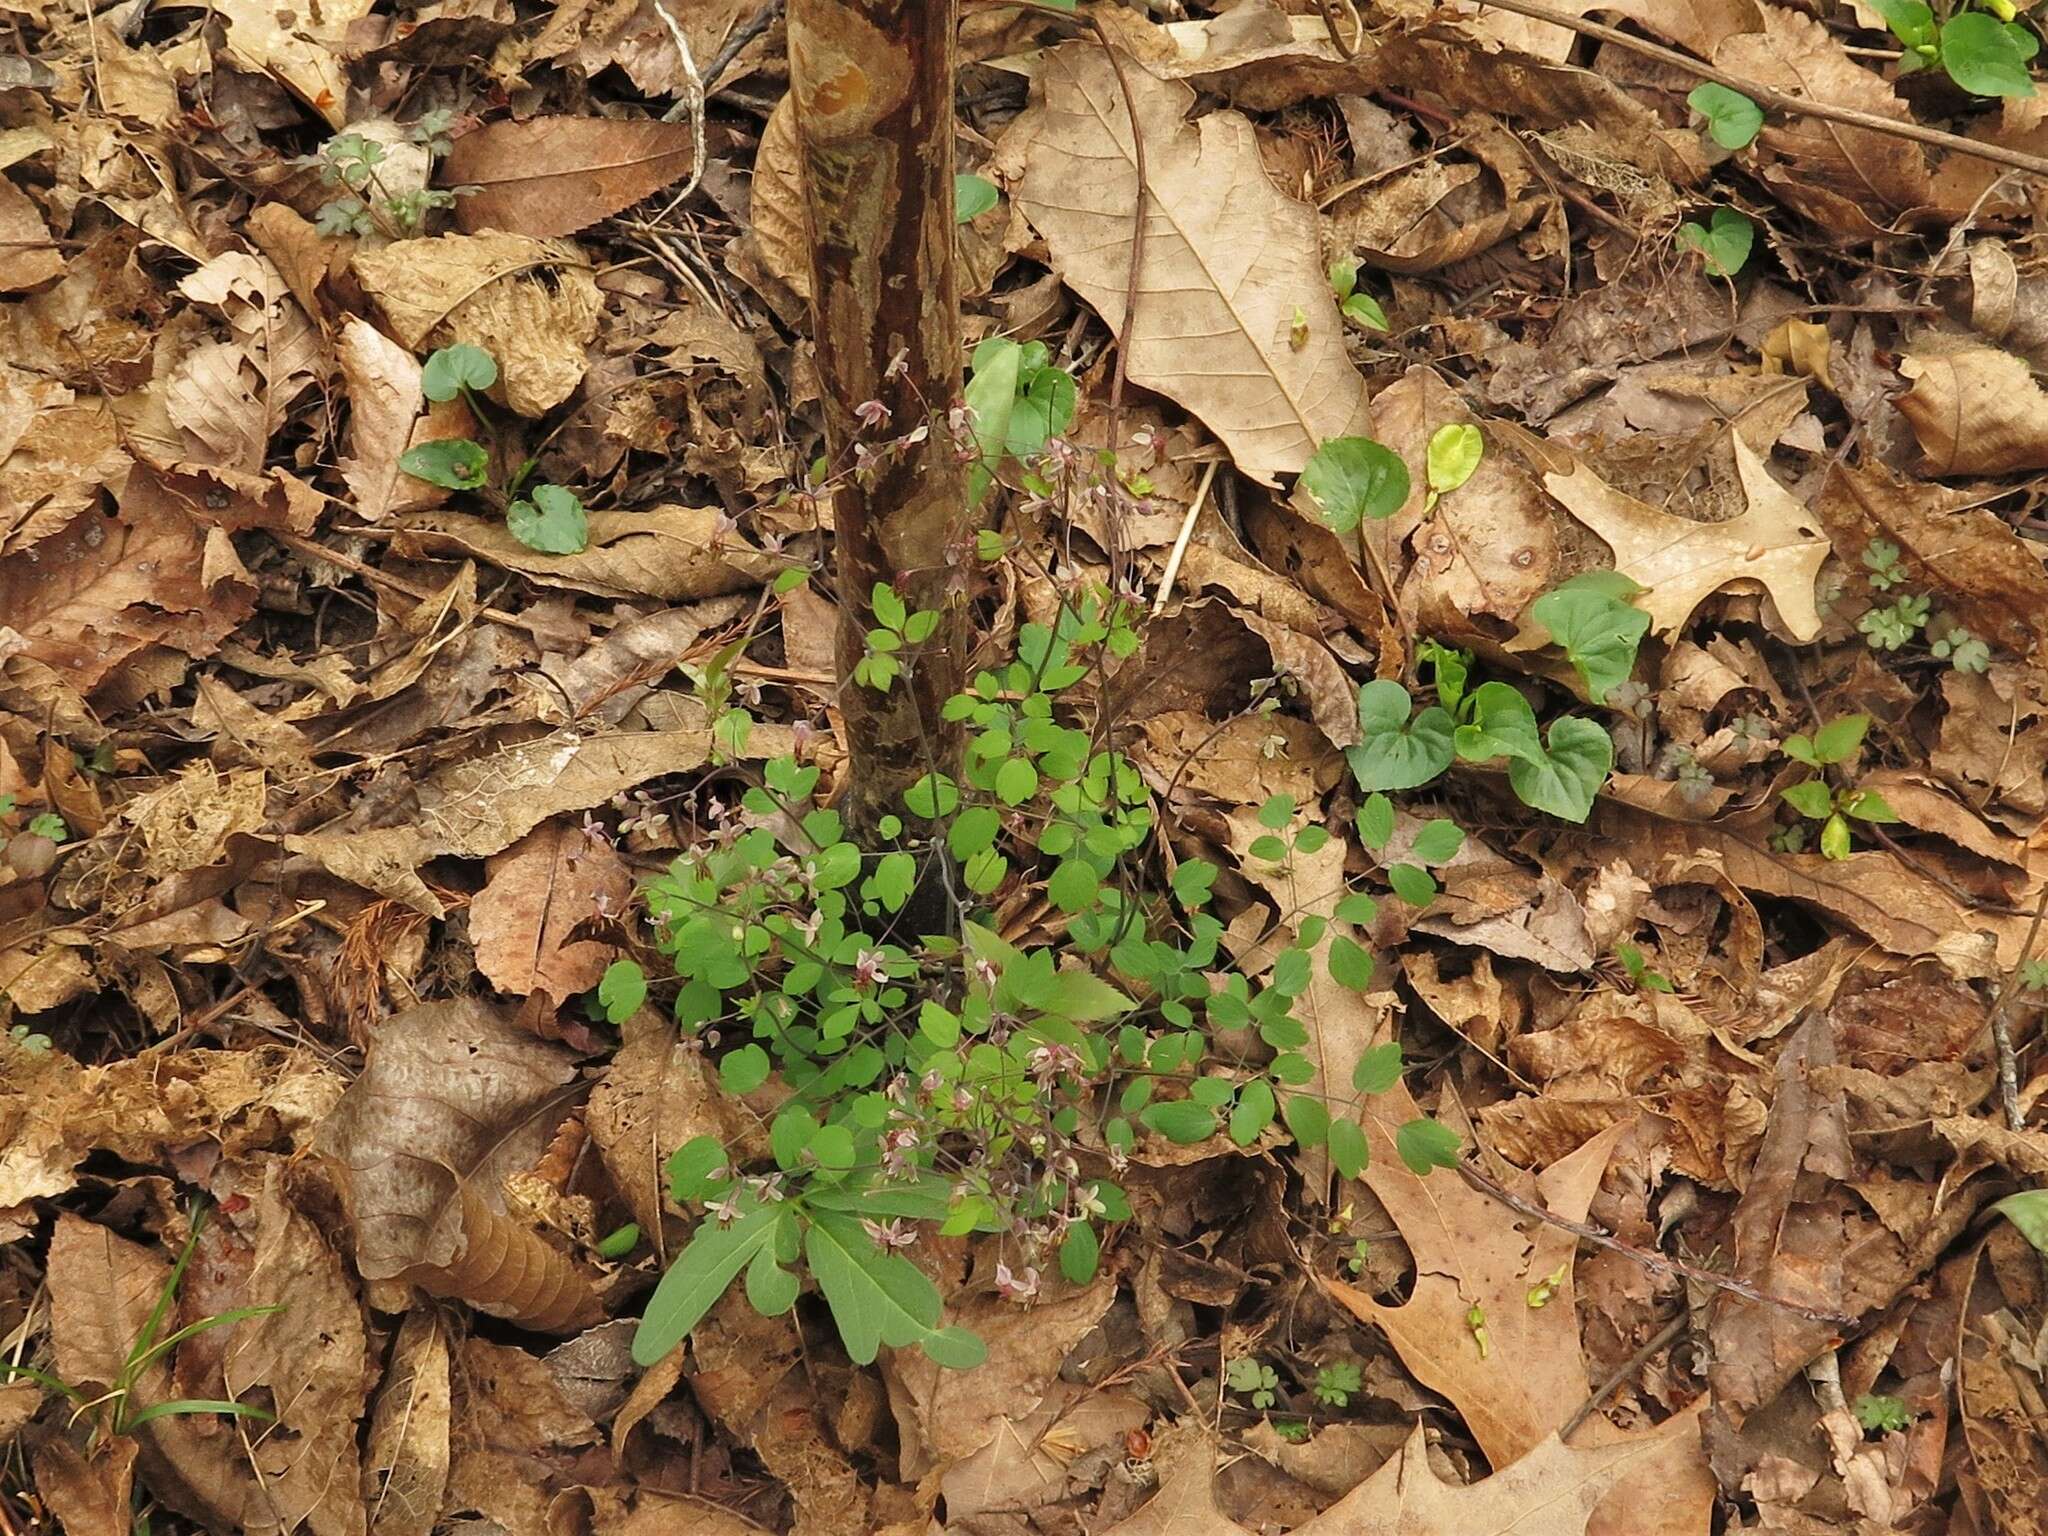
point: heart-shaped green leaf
(1396, 754)
(972, 197)
(1982, 55)
(1353, 479)
(1564, 781)
(1454, 452)
(1732, 118)
(454, 462)
(450, 370)
(1724, 242)
(1599, 629)
(553, 522)
(1500, 724)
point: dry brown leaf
(656, 1094)
(534, 894)
(295, 49)
(453, 1099)
(671, 553)
(90, 1496)
(532, 304)
(1856, 181)
(1680, 561)
(1229, 263)
(558, 175)
(29, 258)
(56, 452)
(512, 1434)
(1975, 411)
(1185, 1504)
(481, 806)
(405, 1460)
(1025, 1467)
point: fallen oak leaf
(1679, 561)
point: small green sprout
(1249, 1378)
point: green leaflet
(880, 1298)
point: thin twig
(1771, 97)
(1180, 543)
(694, 92)
(1624, 1371)
(2001, 1031)
(1648, 1258)
(742, 35)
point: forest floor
(1593, 511)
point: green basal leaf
(1835, 840)
(1564, 781)
(1500, 723)
(1724, 242)
(553, 522)
(1983, 56)
(1837, 741)
(621, 990)
(1732, 118)
(1396, 754)
(1599, 630)
(1812, 799)
(972, 197)
(455, 463)
(450, 370)
(1911, 21)
(1354, 479)
(2027, 1210)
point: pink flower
(895, 1233)
(871, 414)
(1016, 1287)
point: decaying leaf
(453, 1099)
(1976, 411)
(532, 304)
(537, 891)
(557, 175)
(405, 1460)
(671, 553)
(1228, 261)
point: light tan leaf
(480, 806)
(384, 401)
(29, 258)
(534, 894)
(310, 1356)
(558, 175)
(511, 1430)
(532, 304)
(671, 553)
(89, 1496)
(778, 238)
(295, 48)
(56, 452)
(656, 1094)
(405, 1462)
(1185, 1504)
(1229, 262)
(1854, 180)
(1976, 411)
(1554, 1490)
(453, 1099)
(1776, 542)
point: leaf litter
(325, 797)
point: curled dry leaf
(1975, 411)
(534, 894)
(482, 806)
(558, 175)
(1680, 561)
(384, 397)
(405, 1460)
(671, 553)
(1229, 262)
(454, 1097)
(532, 304)
(298, 51)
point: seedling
(1356, 305)
(366, 205)
(551, 519)
(1335, 1383)
(1640, 976)
(1880, 1414)
(1248, 1377)
(1890, 627)
(1816, 800)
(1733, 120)
(1454, 453)
(1985, 50)
(1724, 241)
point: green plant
(123, 1414)
(1357, 306)
(1833, 807)
(1877, 1413)
(1020, 401)
(1986, 51)
(1890, 627)
(1249, 1378)
(1558, 771)
(1881, 566)
(34, 1043)
(1640, 976)
(550, 519)
(1733, 120)
(366, 205)
(1334, 1384)
(880, 665)
(955, 1083)
(1724, 241)
(972, 197)
(2027, 1211)
(1961, 650)
(2034, 976)
(1454, 453)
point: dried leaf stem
(1771, 97)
